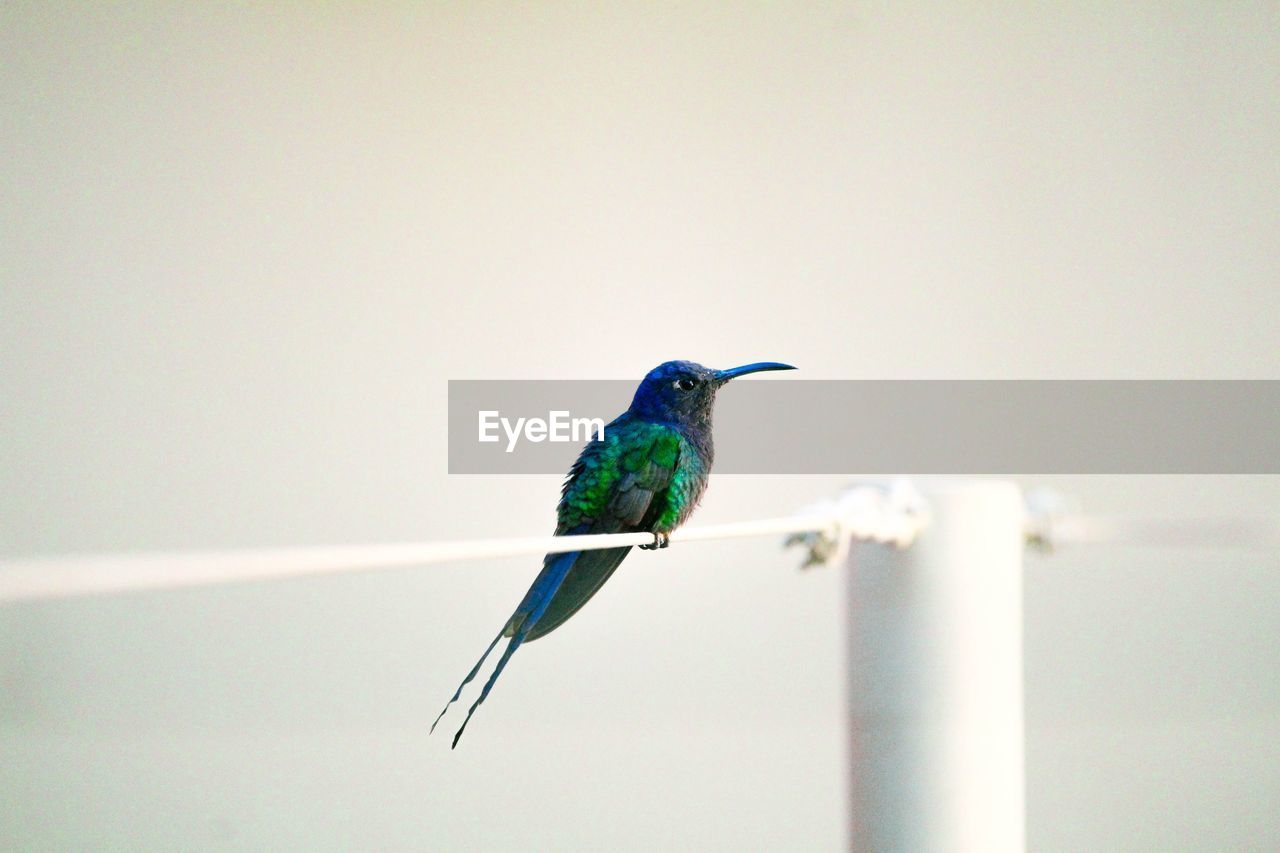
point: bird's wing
(618, 485)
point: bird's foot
(660, 540)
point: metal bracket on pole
(891, 513)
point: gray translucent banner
(793, 426)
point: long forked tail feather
(514, 644)
(470, 676)
(518, 626)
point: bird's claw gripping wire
(660, 540)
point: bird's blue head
(682, 392)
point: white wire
(890, 513)
(879, 512)
(1074, 530)
(59, 577)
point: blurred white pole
(935, 654)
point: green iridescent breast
(640, 472)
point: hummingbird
(646, 473)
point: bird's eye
(686, 384)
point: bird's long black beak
(723, 376)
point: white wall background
(243, 250)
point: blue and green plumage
(646, 474)
(641, 477)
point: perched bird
(646, 474)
